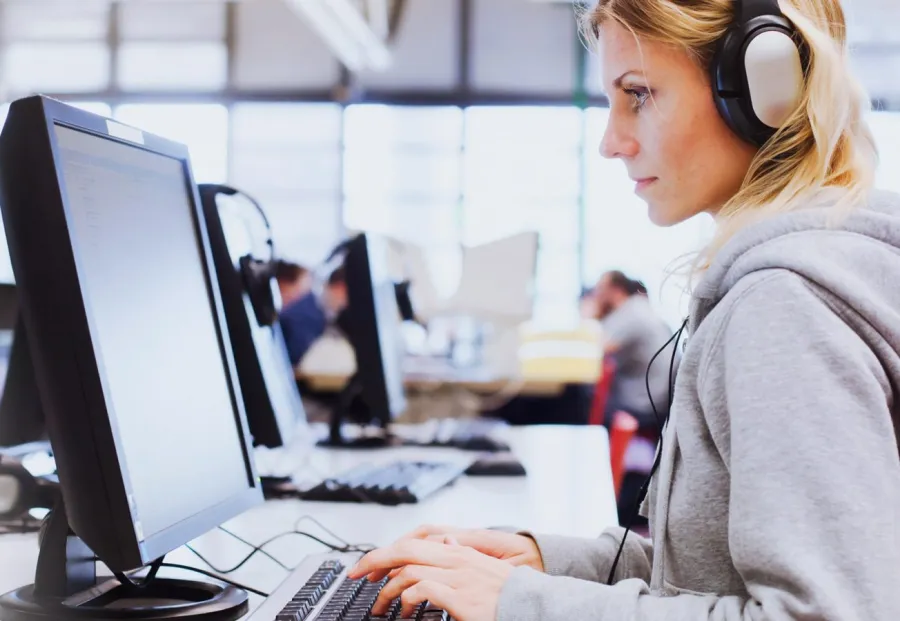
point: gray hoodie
(778, 494)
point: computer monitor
(271, 398)
(132, 358)
(371, 324)
(21, 415)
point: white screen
(140, 266)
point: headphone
(758, 70)
(257, 276)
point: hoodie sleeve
(591, 559)
(809, 443)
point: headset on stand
(757, 82)
(257, 275)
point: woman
(778, 492)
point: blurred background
(442, 122)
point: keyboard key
(390, 484)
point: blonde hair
(825, 142)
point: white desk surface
(568, 490)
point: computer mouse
(497, 465)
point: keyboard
(394, 483)
(470, 434)
(318, 590)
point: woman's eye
(638, 96)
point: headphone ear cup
(774, 73)
(757, 77)
(258, 278)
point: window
(202, 127)
(288, 156)
(522, 171)
(618, 233)
(169, 66)
(886, 128)
(30, 67)
(402, 178)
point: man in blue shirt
(304, 315)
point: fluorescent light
(346, 32)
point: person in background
(294, 281)
(305, 316)
(633, 334)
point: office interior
(455, 143)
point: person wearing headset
(777, 494)
(305, 316)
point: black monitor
(271, 398)
(132, 359)
(375, 393)
(21, 415)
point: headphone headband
(747, 10)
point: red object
(622, 430)
(601, 392)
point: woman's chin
(667, 214)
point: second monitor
(375, 392)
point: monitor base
(66, 587)
(162, 598)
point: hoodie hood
(857, 260)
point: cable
(259, 548)
(360, 547)
(661, 424)
(255, 548)
(215, 577)
(151, 575)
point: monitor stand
(66, 588)
(336, 439)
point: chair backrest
(622, 430)
(601, 391)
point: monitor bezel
(81, 419)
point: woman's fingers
(436, 593)
(406, 552)
(427, 530)
(406, 578)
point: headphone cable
(661, 424)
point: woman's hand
(515, 549)
(459, 579)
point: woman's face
(664, 125)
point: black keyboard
(325, 596)
(471, 434)
(395, 483)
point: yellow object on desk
(571, 356)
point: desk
(474, 380)
(568, 490)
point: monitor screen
(152, 323)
